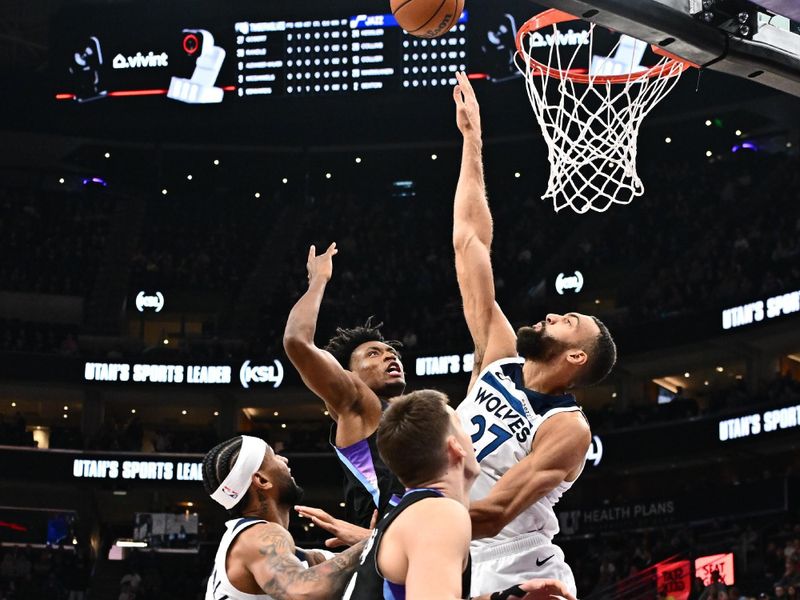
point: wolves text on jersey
(500, 408)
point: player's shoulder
(434, 520)
(434, 509)
(262, 539)
(572, 423)
(509, 368)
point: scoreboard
(356, 54)
(198, 57)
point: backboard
(758, 40)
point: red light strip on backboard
(123, 93)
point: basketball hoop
(590, 117)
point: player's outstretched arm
(472, 239)
(558, 454)
(320, 371)
(269, 554)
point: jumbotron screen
(202, 56)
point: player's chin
(394, 386)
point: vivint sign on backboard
(249, 373)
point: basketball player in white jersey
(257, 558)
(420, 549)
(530, 436)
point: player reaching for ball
(530, 435)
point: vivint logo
(569, 282)
(139, 60)
(570, 38)
(261, 374)
(144, 301)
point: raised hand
(321, 266)
(468, 114)
(346, 534)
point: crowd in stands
(622, 564)
(34, 573)
(781, 389)
(51, 242)
(40, 338)
(202, 244)
(704, 235)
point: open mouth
(394, 369)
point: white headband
(236, 484)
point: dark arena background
(154, 234)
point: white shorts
(498, 566)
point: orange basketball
(427, 18)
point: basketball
(427, 18)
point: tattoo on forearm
(289, 578)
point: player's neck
(269, 510)
(452, 485)
(541, 377)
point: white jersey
(502, 416)
(219, 586)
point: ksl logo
(595, 453)
(261, 374)
(569, 282)
(155, 302)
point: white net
(591, 128)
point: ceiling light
(720, 369)
(358, 160)
(257, 194)
(164, 192)
(668, 140)
(275, 414)
(517, 175)
(61, 179)
(216, 413)
(133, 411)
(189, 177)
(285, 180)
(434, 157)
(708, 122)
(283, 425)
(13, 404)
(687, 375)
(709, 153)
(65, 415)
(130, 544)
(66, 407)
(108, 155)
(328, 175)
(183, 412)
(738, 132)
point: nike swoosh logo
(539, 563)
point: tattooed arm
(269, 556)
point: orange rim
(672, 67)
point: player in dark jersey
(420, 549)
(356, 375)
